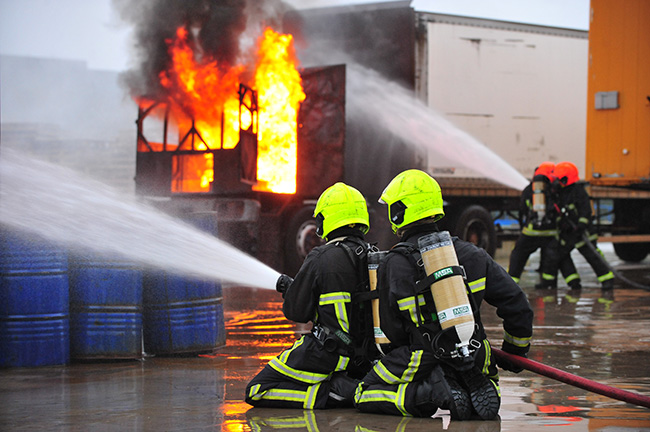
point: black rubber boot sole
(461, 405)
(482, 393)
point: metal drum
(105, 309)
(34, 310)
(183, 315)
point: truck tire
(475, 225)
(632, 252)
(300, 238)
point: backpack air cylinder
(373, 264)
(539, 199)
(449, 294)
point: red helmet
(566, 173)
(545, 169)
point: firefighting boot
(441, 390)
(341, 392)
(546, 284)
(608, 285)
(575, 285)
(483, 393)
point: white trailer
(519, 89)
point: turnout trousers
(297, 378)
(526, 245)
(590, 251)
(391, 387)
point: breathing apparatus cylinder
(449, 293)
(539, 199)
(373, 264)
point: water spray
(376, 100)
(80, 213)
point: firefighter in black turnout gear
(331, 290)
(423, 371)
(574, 223)
(538, 212)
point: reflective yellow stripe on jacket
(339, 301)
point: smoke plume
(221, 30)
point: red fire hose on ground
(574, 380)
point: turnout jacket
(486, 280)
(528, 219)
(326, 289)
(576, 210)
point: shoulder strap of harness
(361, 319)
(359, 259)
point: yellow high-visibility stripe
(338, 300)
(387, 376)
(342, 363)
(477, 285)
(376, 396)
(310, 400)
(516, 341)
(400, 401)
(413, 366)
(606, 276)
(303, 376)
(408, 304)
(488, 356)
(529, 231)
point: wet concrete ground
(601, 336)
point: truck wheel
(632, 252)
(475, 225)
(300, 238)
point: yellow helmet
(340, 205)
(411, 196)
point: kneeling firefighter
(430, 289)
(331, 289)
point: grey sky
(90, 30)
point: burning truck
(254, 149)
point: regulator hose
(616, 273)
(574, 380)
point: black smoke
(217, 28)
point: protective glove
(283, 283)
(515, 350)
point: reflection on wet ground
(597, 335)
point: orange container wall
(618, 140)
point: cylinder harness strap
(428, 332)
(337, 340)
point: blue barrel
(34, 309)
(105, 308)
(183, 315)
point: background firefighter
(317, 371)
(413, 379)
(574, 229)
(539, 226)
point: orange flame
(200, 90)
(280, 93)
(204, 92)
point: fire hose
(616, 273)
(574, 380)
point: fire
(204, 95)
(203, 91)
(280, 93)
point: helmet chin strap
(397, 211)
(319, 224)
